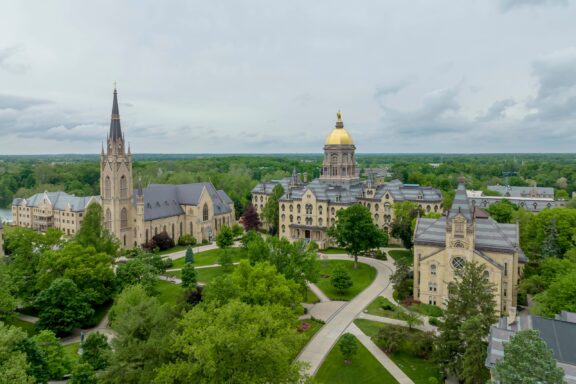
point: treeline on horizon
(22, 176)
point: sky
(474, 76)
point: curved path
(318, 348)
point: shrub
(186, 240)
(205, 241)
(304, 327)
(434, 321)
(380, 255)
(162, 241)
(421, 344)
(387, 305)
(390, 337)
(237, 230)
(341, 279)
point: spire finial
(114, 85)
(339, 123)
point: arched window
(205, 212)
(123, 187)
(332, 211)
(146, 236)
(123, 219)
(283, 228)
(376, 207)
(283, 207)
(376, 217)
(155, 231)
(298, 208)
(172, 230)
(291, 218)
(486, 275)
(320, 222)
(291, 208)
(180, 229)
(107, 188)
(108, 219)
(433, 269)
(320, 210)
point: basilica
(134, 216)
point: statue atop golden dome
(339, 136)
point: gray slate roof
(165, 200)
(59, 200)
(506, 190)
(348, 192)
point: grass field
(310, 298)
(211, 257)
(393, 311)
(169, 292)
(334, 251)
(204, 275)
(419, 370)
(402, 254)
(172, 250)
(364, 369)
(29, 328)
(72, 351)
(362, 277)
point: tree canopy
(271, 212)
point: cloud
(497, 111)
(507, 5)
(18, 102)
(11, 61)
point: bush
(162, 241)
(390, 337)
(237, 230)
(387, 305)
(185, 240)
(421, 344)
(205, 241)
(434, 321)
(380, 255)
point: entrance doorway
(307, 234)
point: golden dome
(339, 136)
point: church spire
(115, 129)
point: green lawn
(419, 370)
(310, 298)
(204, 275)
(334, 251)
(427, 309)
(402, 254)
(169, 292)
(362, 277)
(72, 351)
(172, 250)
(364, 369)
(392, 311)
(29, 328)
(211, 257)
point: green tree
(474, 358)
(390, 337)
(224, 240)
(62, 307)
(502, 211)
(7, 300)
(560, 296)
(528, 360)
(237, 230)
(348, 347)
(14, 368)
(189, 258)
(404, 214)
(469, 296)
(92, 232)
(271, 212)
(141, 345)
(83, 373)
(140, 270)
(541, 225)
(356, 232)
(550, 246)
(401, 279)
(413, 319)
(90, 270)
(96, 351)
(189, 276)
(58, 362)
(341, 279)
(234, 343)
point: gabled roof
(59, 201)
(165, 200)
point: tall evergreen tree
(469, 296)
(550, 246)
(189, 258)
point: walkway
(318, 348)
(390, 366)
(318, 292)
(426, 327)
(199, 267)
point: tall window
(205, 212)
(123, 218)
(459, 228)
(108, 219)
(107, 188)
(123, 187)
(433, 269)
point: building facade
(466, 234)
(134, 217)
(532, 199)
(308, 209)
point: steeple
(115, 129)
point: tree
(89, 269)
(237, 230)
(539, 228)
(348, 347)
(162, 241)
(528, 360)
(143, 269)
(502, 211)
(189, 276)
(390, 337)
(189, 258)
(250, 218)
(356, 232)
(92, 232)
(224, 240)
(474, 358)
(560, 296)
(141, 345)
(550, 246)
(341, 279)
(7, 300)
(404, 214)
(234, 343)
(96, 351)
(401, 279)
(413, 319)
(14, 368)
(271, 212)
(62, 307)
(58, 362)
(469, 296)
(83, 373)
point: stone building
(533, 199)
(307, 209)
(134, 217)
(465, 234)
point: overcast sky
(269, 76)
